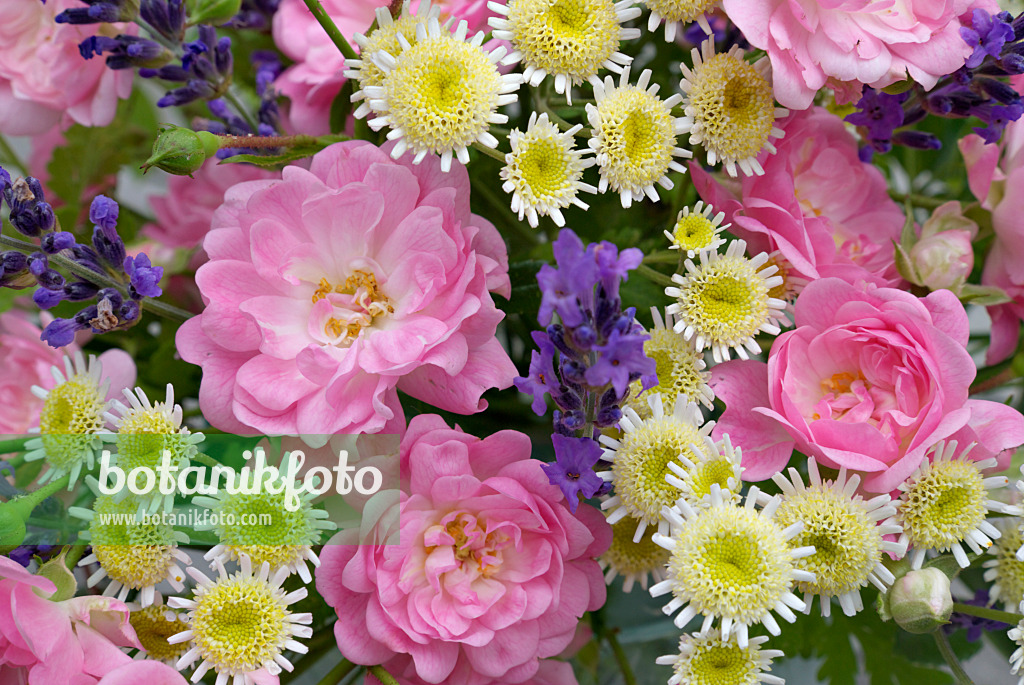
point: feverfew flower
(569, 39)
(634, 136)
(724, 302)
(1017, 658)
(71, 420)
(697, 231)
(731, 563)
(846, 533)
(133, 555)
(641, 457)
(544, 171)
(716, 465)
(674, 12)
(634, 561)
(241, 623)
(383, 37)
(945, 501)
(1006, 572)
(729, 108)
(153, 625)
(441, 94)
(680, 368)
(709, 659)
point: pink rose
(148, 672)
(73, 642)
(943, 256)
(185, 213)
(845, 43)
(827, 212)
(43, 78)
(22, 349)
(869, 380)
(488, 574)
(995, 174)
(333, 288)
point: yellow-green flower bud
(181, 151)
(921, 601)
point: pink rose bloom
(43, 78)
(869, 380)
(996, 177)
(22, 349)
(316, 78)
(73, 642)
(845, 43)
(481, 572)
(185, 213)
(824, 210)
(333, 288)
(148, 672)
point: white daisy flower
(569, 39)
(697, 231)
(1005, 571)
(676, 12)
(634, 561)
(710, 659)
(679, 366)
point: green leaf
(983, 295)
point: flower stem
(620, 657)
(652, 275)
(490, 152)
(950, 656)
(317, 10)
(383, 676)
(922, 201)
(1005, 376)
(985, 612)
(15, 445)
(75, 553)
(242, 109)
(338, 673)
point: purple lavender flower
(987, 35)
(144, 276)
(974, 625)
(541, 379)
(880, 113)
(621, 360)
(573, 468)
(613, 266)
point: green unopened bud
(921, 601)
(212, 11)
(57, 571)
(181, 151)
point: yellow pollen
(943, 505)
(680, 10)
(385, 38)
(571, 37)
(783, 291)
(636, 558)
(368, 296)
(693, 232)
(679, 368)
(840, 383)
(72, 413)
(636, 138)
(152, 628)
(543, 168)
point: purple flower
(614, 266)
(621, 360)
(974, 625)
(573, 468)
(987, 35)
(880, 113)
(61, 332)
(144, 276)
(569, 289)
(103, 212)
(541, 378)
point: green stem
(490, 152)
(663, 257)
(265, 141)
(242, 110)
(206, 459)
(1005, 376)
(559, 121)
(383, 676)
(990, 614)
(75, 553)
(15, 445)
(317, 10)
(163, 309)
(950, 656)
(11, 156)
(338, 673)
(922, 201)
(620, 657)
(654, 276)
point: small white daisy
(724, 301)
(1005, 571)
(568, 39)
(634, 561)
(697, 231)
(241, 623)
(634, 136)
(384, 37)
(440, 95)
(730, 108)
(640, 459)
(72, 419)
(676, 12)
(679, 366)
(153, 624)
(731, 563)
(847, 532)
(1016, 634)
(717, 464)
(710, 659)
(544, 171)
(944, 504)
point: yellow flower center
(726, 301)
(571, 37)
(152, 628)
(136, 555)
(637, 558)
(694, 232)
(680, 10)
(385, 38)
(357, 301)
(721, 664)
(677, 367)
(71, 415)
(943, 504)
(637, 138)
(543, 167)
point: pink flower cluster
(870, 380)
(845, 44)
(825, 211)
(43, 78)
(480, 574)
(330, 289)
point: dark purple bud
(37, 264)
(80, 290)
(61, 332)
(97, 45)
(917, 139)
(110, 249)
(13, 262)
(573, 420)
(572, 371)
(103, 212)
(998, 90)
(556, 333)
(222, 56)
(1012, 64)
(47, 299)
(50, 279)
(608, 416)
(584, 336)
(111, 294)
(129, 311)
(52, 243)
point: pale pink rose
(824, 210)
(183, 216)
(995, 174)
(27, 361)
(284, 351)
(943, 256)
(844, 43)
(316, 78)
(44, 80)
(73, 642)
(479, 573)
(870, 380)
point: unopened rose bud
(57, 571)
(920, 601)
(943, 260)
(181, 151)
